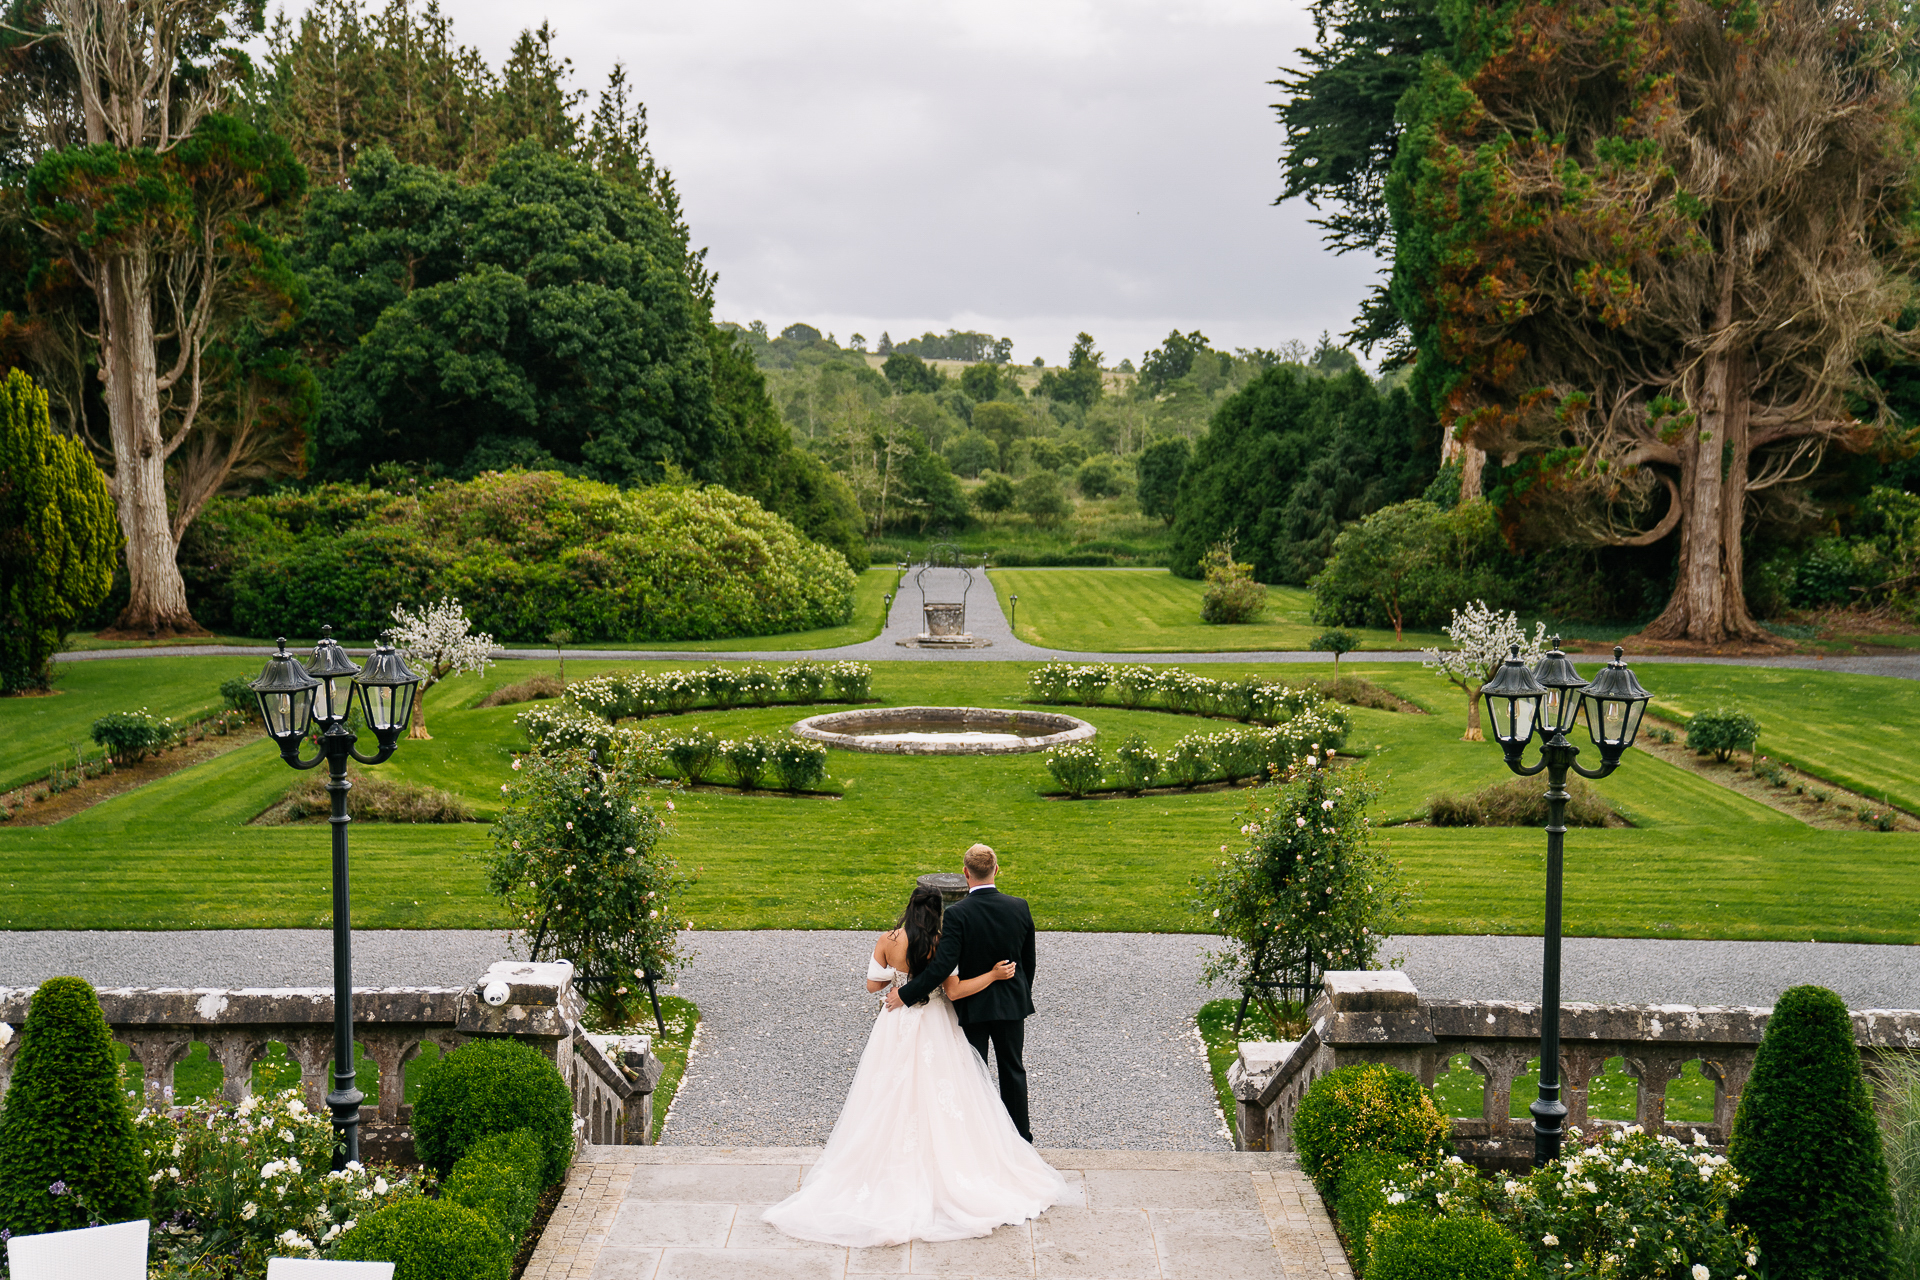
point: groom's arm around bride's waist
(945, 957)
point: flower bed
(1632, 1204)
(236, 1185)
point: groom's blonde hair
(980, 862)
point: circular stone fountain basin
(944, 731)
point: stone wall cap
(1265, 1055)
(1370, 990)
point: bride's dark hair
(921, 920)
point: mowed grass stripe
(177, 853)
(1151, 611)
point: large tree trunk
(1709, 602)
(157, 600)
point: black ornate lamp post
(1547, 701)
(1013, 614)
(293, 699)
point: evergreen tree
(57, 535)
(1807, 1145)
(67, 1146)
(1290, 459)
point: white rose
(1550, 1240)
(1700, 1271)
(379, 1186)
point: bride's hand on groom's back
(1002, 971)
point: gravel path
(1112, 1059)
(986, 619)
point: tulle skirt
(923, 1148)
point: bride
(923, 1149)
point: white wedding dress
(924, 1148)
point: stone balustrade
(1378, 1016)
(612, 1078)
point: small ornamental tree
(576, 860)
(58, 535)
(438, 642)
(1482, 638)
(1306, 890)
(1807, 1148)
(1335, 642)
(68, 1152)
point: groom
(976, 933)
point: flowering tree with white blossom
(1306, 891)
(438, 642)
(1481, 638)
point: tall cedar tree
(63, 1121)
(57, 535)
(1643, 251)
(1807, 1146)
(1343, 130)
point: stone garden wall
(1378, 1016)
(612, 1078)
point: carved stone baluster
(1501, 1066)
(313, 1050)
(1654, 1069)
(1729, 1072)
(390, 1049)
(236, 1051)
(158, 1051)
(1578, 1067)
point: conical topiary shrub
(64, 1121)
(1807, 1146)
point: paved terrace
(661, 1213)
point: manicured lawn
(1857, 731)
(1704, 862)
(35, 733)
(1151, 611)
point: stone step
(682, 1213)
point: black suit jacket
(976, 933)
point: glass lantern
(387, 688)
(335, 671)
(285, 692)
(1615, 702)
(1560, 704)
(1513, 701)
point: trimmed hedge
(64, 1122)
(1808, 1147)
(488, 1087)
(1363, 1199)
(525, 552)
(1414, 1248)
(430, 1240)
(500, 1179)
(1366, 1107)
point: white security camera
(497, 993)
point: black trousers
(1008, 1039)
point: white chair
(118, 1252)
(302, 1268)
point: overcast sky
(1030, 168)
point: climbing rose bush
(236, 1185)
(1305, 884)
(576, 860)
